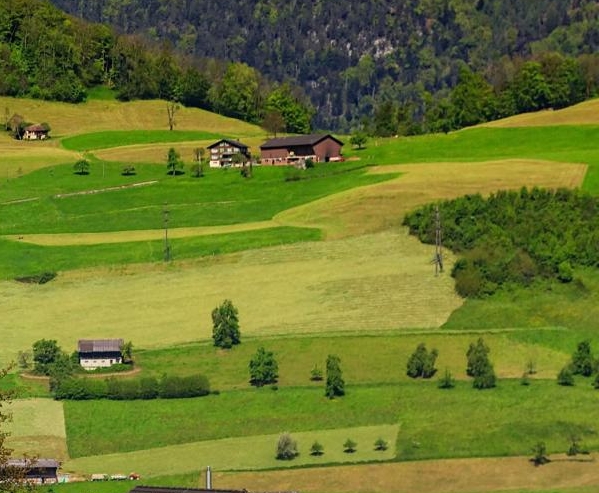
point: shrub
(565, 272)
(565, 377)
(582, 360)
(380, 444)
(128, 170)
(316, 374)
(539, 454)
(446, 381)
(286, 447)
(349, 447)
(316, 449)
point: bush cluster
(167, 387)
(514, 236)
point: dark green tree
(422, 363)
(225, 325)
(81, 167)
(565, 377)
(358, 139)
(173, 162)
(385, 122)
(479, 366)
(263, 368)
(380, 444)
(349, 447)
(582, 360)
(335, 385)
(238, 94)
(295, 113)
(45, 353)
(316, 449)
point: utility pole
(438, 260)
(167, 247)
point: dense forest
(514, 237)
(47, 54)
(387, 63)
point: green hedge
(168, 387)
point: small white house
(99, 353)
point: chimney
(208, 478)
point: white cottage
(99, 353)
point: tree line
(514, 237)
(47, 54)
(354, 59)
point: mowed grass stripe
(116, 138)
(250, 453)
(37, 428)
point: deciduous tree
(286, 447)
(263, 368)
(225, 325)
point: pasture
(254, 453)
(368, 293)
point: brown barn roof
(99, 345)
(235, 143)
(297, 140)
(36, 128)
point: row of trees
(421, 364)
(47, 54)
(287, 447)
(514, 237)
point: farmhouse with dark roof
(222, 152)
(99, 353)
(36, 471)
(296, 150)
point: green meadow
(317, 263)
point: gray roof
(232, 142)
(99, 345)
(297, 140)
(30, 463)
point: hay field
(585, 113)
(513, 474)
(369, 283)
(248, 453)
(97, 115)
(37, 429)
(383, 206)
(19, 158)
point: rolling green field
(316, 266)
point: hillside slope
(351, 55)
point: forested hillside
(386, 59)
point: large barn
(320, 148)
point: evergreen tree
(335, 385)
(479, 365)
(582, 360)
